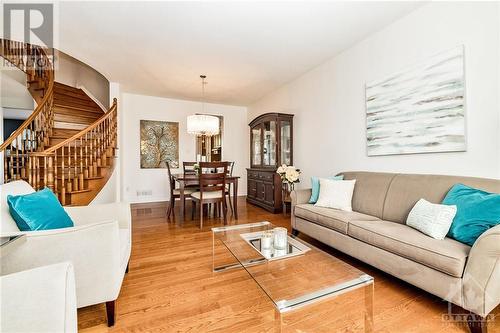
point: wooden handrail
(80, 134)
(34, 133)
(26, 123)
(48, 96)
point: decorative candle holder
(266, 240)
(280, 238)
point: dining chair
(230, 168)
(212, 188)
(176, 194)
(188, 168)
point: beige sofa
(375, 232)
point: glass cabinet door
(269, 152)
(286, 142)
(256, 145)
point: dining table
(186, 180)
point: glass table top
(289, 282)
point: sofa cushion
(447, 255)
(477, 212)
(370, 191)
(315, 187)
(336, 194)
(331, 218)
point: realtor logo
(31, 23)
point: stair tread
(79, 191)
(61, 136)
(62, 86)
(75, 95)
(89, 178)
(77, 112)
(90, 109)
(69, 125)
(74, 119)
(72, 166)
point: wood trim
(270, 115)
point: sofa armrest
(298, 197)
(93, 249)
(481, 280)
(48, 289)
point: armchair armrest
(120, 212)
(481, 280)
(298, 197)
(48, 289)
(93, 249)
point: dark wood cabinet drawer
(266, 176)
(253, 174)
(261, 175)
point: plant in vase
(289, 175)
(196, 168)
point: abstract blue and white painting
(419, 110)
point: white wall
(108, 193)
(140, 107)
(1, 141)
(328, 101)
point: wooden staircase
(69, 143)
(73, 111)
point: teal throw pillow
(38, 211)
(477, 211)
(315, 187)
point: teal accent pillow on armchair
(315, 187)
(477, 211)
(38, 211)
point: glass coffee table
(300, 278)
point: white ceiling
(247, 49)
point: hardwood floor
(170, 288)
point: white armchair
(39, 300)
(98, 246)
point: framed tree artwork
(159, 144)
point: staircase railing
(69, 165)
(33, 135)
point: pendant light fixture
(203, 124)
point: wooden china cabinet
(271, 145)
